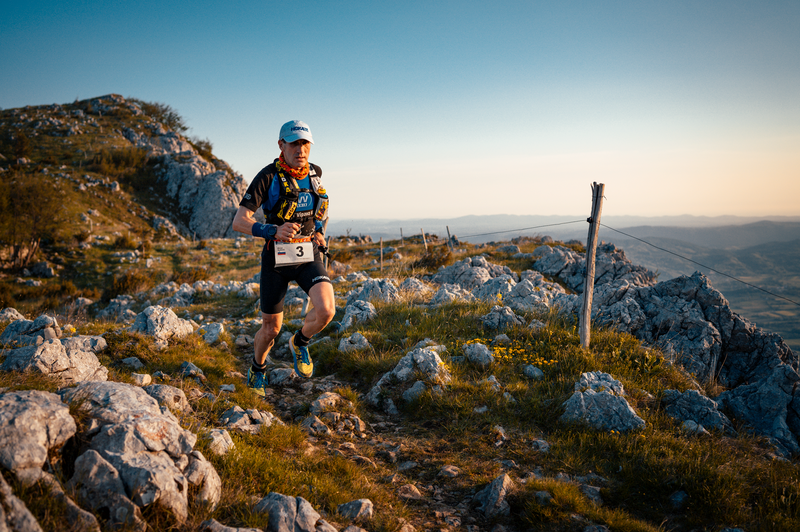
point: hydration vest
(285, 209)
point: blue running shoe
(303, 365)
(257, 380)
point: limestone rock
(221, 441)
(691, 405)
(383, 290)
(470, 273)
(358, 312)
(599, 381)
(771, 406)
(491, 501)
(356, 342)
(358, 509)
(169, 396)
(479, 354)
(31, 423)
(288, 514)
(14, 515)
(72, 360)
(10, 314)
(329, 401)
(162, 324)
(143, 442)
(500, 318)
(450, 293)
(416, 289)
(100, 488)
(212, 525)
(201, 473)
(213, 332)
(602, 411)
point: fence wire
(704, 266)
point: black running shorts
(275, 281)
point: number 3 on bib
(290, 253)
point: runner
(295, 204)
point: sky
(443, 109)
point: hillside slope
(128, 161)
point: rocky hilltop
(117, 143)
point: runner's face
(295, 153)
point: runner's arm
(245, 222)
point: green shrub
(164, 114)
(203, 147)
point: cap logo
(298, 128)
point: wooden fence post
(449, 246)
(401, 237)
(381, 254)
(423, 240)
(591, 252)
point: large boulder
(383, 290)
(32, 423)
(144, 443)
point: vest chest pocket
(291, 253)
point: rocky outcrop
(130, 434)
(610, 265)
(71, 360)
(471, 273)
(206, 193)
(693, 325)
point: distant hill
(719, 232)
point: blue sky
(444, 109)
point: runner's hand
(287, 231)
(319, 239)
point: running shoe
(257, 380)
(303, 365)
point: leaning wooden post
(381, 254)
(423, 240)
(449, 246)
(401, 237)
(591, 252)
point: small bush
(120, 162)
(435, 257)
(191, 275)
(83, 236)
(130, 282)
(125, 242)
(203, 147)
(341, 255)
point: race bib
(290, 253)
